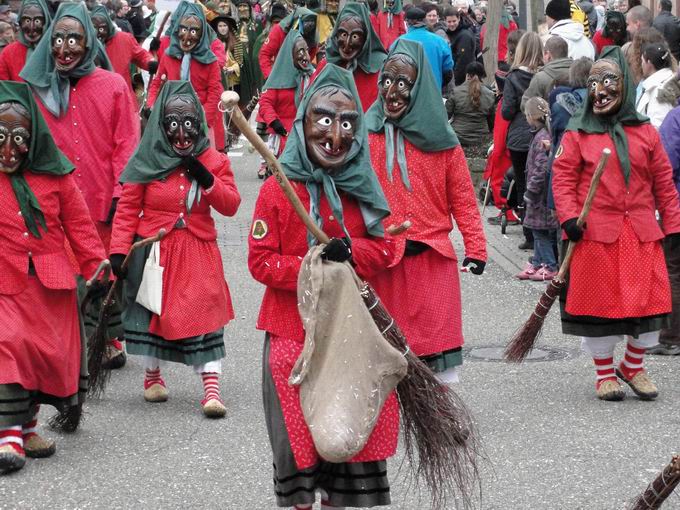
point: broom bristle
(96, 351)
(67, 419)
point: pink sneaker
(543, 275)
(528, 272)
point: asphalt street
(548, 442)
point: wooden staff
(660, 488)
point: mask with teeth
(102, 28)
(300, 54)
(605, 87)
(68, 44)
(32, 24)
(350, 38)
(189, 33)
(182, 125)
(396, 82)
(15, 134)
(330, 125)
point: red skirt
(626, 278)
(422, 293)
(40, 339)
(382, 442)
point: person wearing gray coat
(555, 70)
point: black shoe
(496, 220)
(526, 245)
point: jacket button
(181, 187)
(331, 217)
(19, 213)
(181, 215)
(25, 234)
(30, 254)
(182, 174)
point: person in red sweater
(34, 19)
(42, 351)
(391, 22)
(337, 185)
(614, 32)
(618, 287)
(507, 26)
(354, 45)
(121, 47)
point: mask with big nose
(189, 33)
(605, 87)
(102, 28)
(396, 82)
(32, 24)
(15, 135)
(350, 38)
(182, 125)
(68, 44)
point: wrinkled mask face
(222, 28)
(330, 123)
(189, 33)
(309, 29)
(32, 24)
(102, 28)
(350, 38)
(300, 54)
(244, 11)
(389, 3)
(332, 6)
(15, 136)
(182, 124)
(616, 29)
(396, 82)
(68, 44)
(605, 87)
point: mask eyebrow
(349, 115)
(75, 35)
(321, 110)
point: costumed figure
(277, 12)
(618, 285)
(92, 115)
(284, 89)
(354, 45)
(422, 169)
(326, 19)
(327, 160)
(391, 22)
(34, 19)
(122, 48)
(173, 181)
(42, 345)
(248, 30)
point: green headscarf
(51, 87)
(585, 120)
(201, 52)
(424, 123)
(506, 18)
(372, 55)
(284, 74)
(43, 156)
(357, 178)
(294, 18)
(99, 11)
(46, 12)
(396, 8)
(154, 158)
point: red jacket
(503, 34)
(600, 41)
(650, 185)
(123, 49)
(66, 216)
(216, 46)
(367, 84)
(389, 34)
(278, 242)
(278, 104)
(271, 48)
(205, 78)
(12, 61)
(146, 208)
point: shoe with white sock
(12, 455)
(212, 404)
(640, 383)
(610, 390)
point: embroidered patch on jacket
(260, 229)
(559, 152)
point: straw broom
(439, 434)
(660, 488)
(524, 339)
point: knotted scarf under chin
(28, 204)
(393, 134)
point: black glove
(475, 266)
(96, 291)
(573, 231)
(674, 241)
(197, 171)
(337, 250)
(414, 248)
(116, 260)
(155, 44)
(146, 112)
(153, 67)
(278, 128)
(112, 211)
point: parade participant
(345, 199)
(301, 19)
(618, 284)
(422, 170)
(354, 45)
(190, 58)
(284, 88)
(122, 48)
(34, 19)
(507, 27)
(173, 181)
(92, 116)
(226, 28)
(613, 33)
(391, 22)
(277, 13)
(42, 351)
(326, 19)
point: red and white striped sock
(30, 429)
(302, 507)
(604, 367)
(632, 361)
(152, 377)
(12, 436)
(211, 386)
(116, 343)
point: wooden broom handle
(594, 183)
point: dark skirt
(350, 484)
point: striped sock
(152, 377)
(211, 386)
(632, 361)
(605, 370)
(12, 436)
(29, 429)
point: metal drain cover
(495, 353)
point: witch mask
(396, 82)
(189, 33)
(330, 125)
(15, 134)
(350, 38)
(68, 44)
(182, 125)
(301, 54)
(605, 87)
(102, 28)
(32, 24)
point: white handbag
(150, 293)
